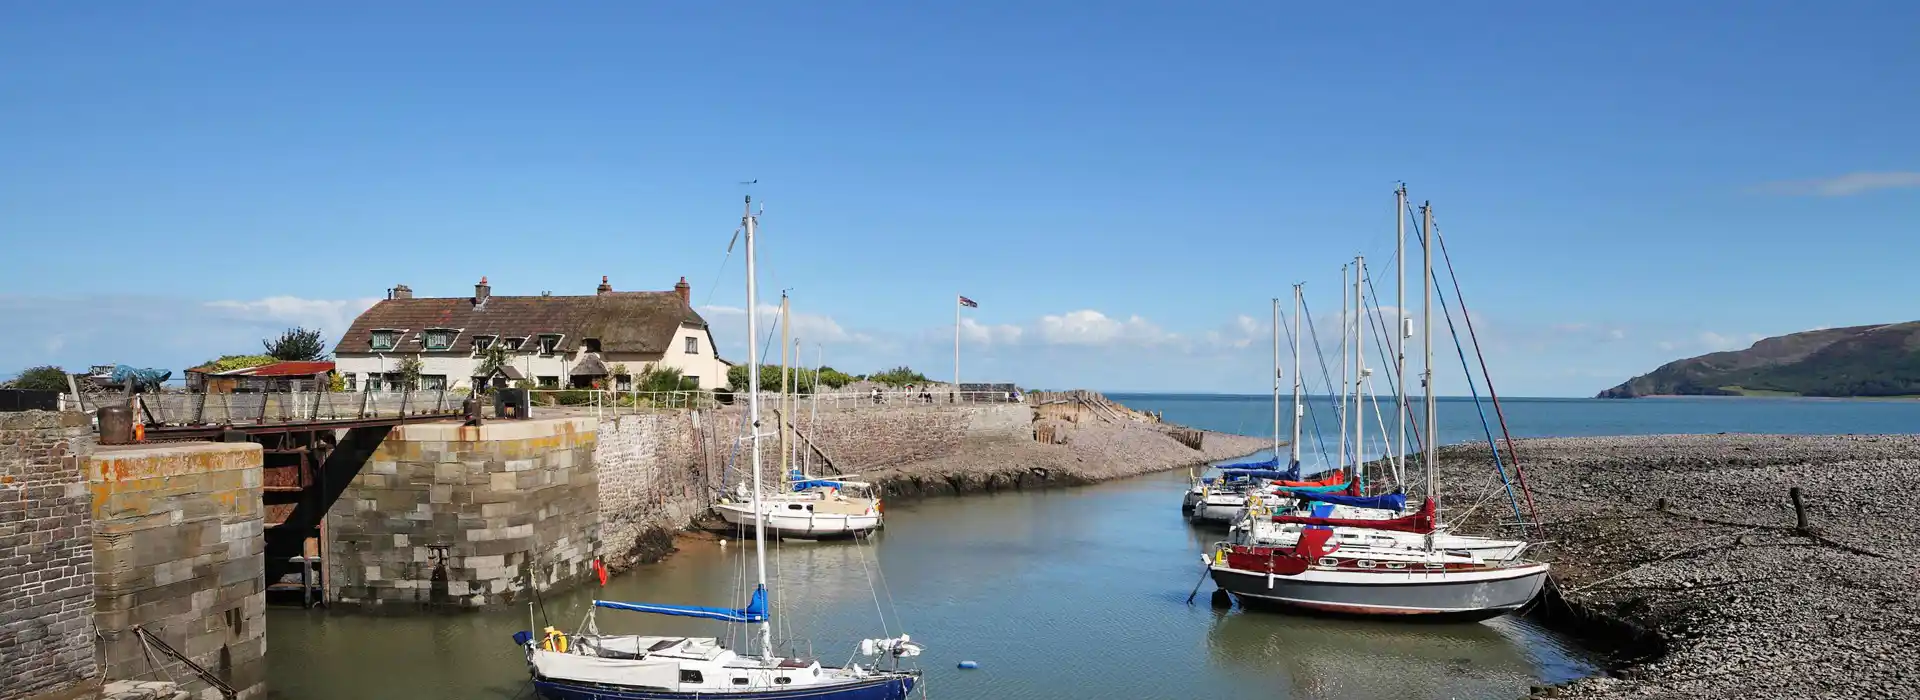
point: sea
(1078, 593)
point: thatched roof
(628, 322)
(589, 366)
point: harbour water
(1076, 593)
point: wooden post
(1799, 510)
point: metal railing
(283, 407)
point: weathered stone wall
(46, 554)
(178, 550)
(653, 480)
(511, 504)
(857, 439)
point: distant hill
(1857, 361)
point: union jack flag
(969, 303)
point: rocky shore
(1684, 553)
(1088, 453)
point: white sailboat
(806, 507)
(1372, 567)
(592, 666)
(1222, 499)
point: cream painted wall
(459, 368)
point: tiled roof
(286, 369)
(636, 322)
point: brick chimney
(482, 290)
(400, 291)
(604, 287)
(685, 291)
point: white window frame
(541, 344)
(399, 336)
(452, 339)
(693, 345)
(481, 342)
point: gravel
(1728, 598)
(1088, 453)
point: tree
(663, 379)
(833, 378)
(297, 345)
(900, 376)
(409, 369)
(42, 378)
(492, 360)
(336, 381)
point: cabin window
(691, 677)
(739, 681)
(481, 343)
(590, 345)
(693, 345)
(383, 340)
(781, 680)
(439, 338)
(549, 343)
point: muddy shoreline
(1682, 556)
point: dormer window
(439, 338)
(549, 343)
(590, 345)
(384, 340)
(481, 343)
(513, 344)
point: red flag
(601, 569)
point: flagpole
(956, 348)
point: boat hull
(804, 525)
(883, 688)
(1452, 596)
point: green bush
(900, 376)
(42, 378)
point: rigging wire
(1326, 376)
(1460, 349)
(1498, 412)
(1320, 444)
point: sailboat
(1324, 568)
(1221, 499)
(592, 666)
(809, 507)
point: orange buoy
(139, 432)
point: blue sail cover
(1261, 470)
(802, 483)
(756, 610)
(1392, 501)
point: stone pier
(46, 554)
(178, 551)
(467, 516)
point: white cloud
(330, 316)
(1089, 327)
(1616, 334)
(809, 328)
(977, 333)
(1845, 185)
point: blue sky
(1621, 184)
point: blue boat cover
(1261, 470)
(756, 611)
(802, 483)
(1392, 501)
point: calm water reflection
(1063, 594)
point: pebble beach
(1683, 553)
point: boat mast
(1298, 409)
(784, 413)
(1401, 329)
(753, 418)
(1359, 369)
(1426, 314)
(813, 401)
(1344, 327)
(793, 424)
(1276, 379)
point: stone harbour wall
(178, 550)
(46, 553)
(457, 515)
(653, 471)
